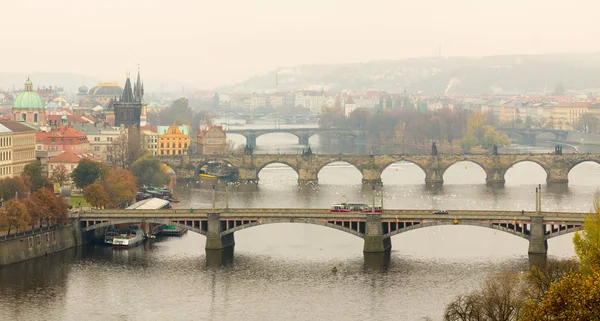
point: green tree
(491, 138)
(33, 171)
(468, 142)
(87, 172)
(148, 171)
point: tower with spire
(128, 109)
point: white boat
(128, 238)
(109, 236)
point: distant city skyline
(210, 44)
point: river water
(284, 271)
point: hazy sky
(217, 42)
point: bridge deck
(266, 213)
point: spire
(127, 96)
(138, 89)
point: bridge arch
(207, 161)
(139, 220)
(566, 231)
(449, 222)
(546, 169)
(331, 161)
(387, 168)
(386, 165)
(457, 165)
(298, 135)
(584, 172)
(293, 220)
(276, 161)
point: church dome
(106, 89)
(83, 90)
(28, 99)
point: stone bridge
(376, 230)
(557, 167)
(529, 135)
(303, 134)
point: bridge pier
(434, 177)
(558, 176)
(251, 140)
(303, 139)
(375, 242)
(371, 176)
(537, 238)
(249, 175)
(214, 239)
(77, 231)
(495, 176)
(307, 175)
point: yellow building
(22, 144)
(173, 141)
(566, 115)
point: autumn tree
(587, 242)
(96, 195)
(87, 172)
(33, 171)
(575, 297)
(48, 206)
(121, 187)
(60, 175)
(15, 215)
(148, 171)
(11, 186)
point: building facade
(211, 140)
(101, 137)
(62, 138)
(29, 106)
(69, 159)
(173, 141)
(23, 145)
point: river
(284, 271)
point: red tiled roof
(150, 128)
(62, 135)
(73, 157)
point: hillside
(506, 74)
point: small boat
(207, 175)
(109, 236)
(128, 238)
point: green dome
(83, 90)
(28, 99)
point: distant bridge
(529, 135)
(303, 134)
(557, 167)
(219, 225)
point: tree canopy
(87, 172)
(148, 171)
(33, 171)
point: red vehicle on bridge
(354, 207)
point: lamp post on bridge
(214, 198)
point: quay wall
(40, 244)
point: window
(96, 148)
(174, 131)
(96, 139)
(35, 118)
(162, 145)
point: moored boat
(128, 238)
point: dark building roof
(127, 96)
(17, 127)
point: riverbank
(34, 244)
